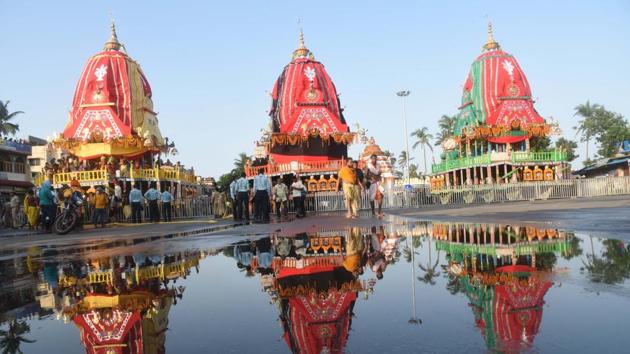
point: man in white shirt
(242, 198)
(117, 202)
(262, 194)
(280, 192)
(297, 192)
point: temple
(307, 134)
(124, 307)
(313, 279)
(505, 271)
(497, 128)
(112, 130)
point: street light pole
(403, 94)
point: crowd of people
(264, 196)
(362, 249)
(99, 205)
(111, 164)
(354, 181)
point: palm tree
(585, 127)
(403, 161)
(240, 161)
(6, 127)
(10, 340)
(447, 126)
(430, 268)
(423, 138)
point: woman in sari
(31, 209)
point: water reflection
(119, 304)
(505, 271)
(313, 280)
(120, 300)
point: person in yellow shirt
(100, 206)
(348, 178)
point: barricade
(422, 196)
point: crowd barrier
(421, 195)
(417, 196)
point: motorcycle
(70, 216)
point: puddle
(404, 286)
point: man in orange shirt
(348, 178)
(100, 205)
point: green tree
(403, 160)
(413, 170)
(611, 129)
(6, 126)
(11, 340)
(423, 139)
(430, 269)
(447, 126)
(568, 146)
(390, 156)
(240, 162)
(540, 144)
(585, 128)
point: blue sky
(211, 64)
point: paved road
(608, 216)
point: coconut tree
(6, 125)
(240, 161)
(586, 127)
(430, 269)
(11, 340)
(423, 139)
(403, 160)
(447, 126)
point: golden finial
(302, 51)
(491, 44)
(112, 43)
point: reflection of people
(354, 251)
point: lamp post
(403, 94)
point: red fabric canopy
(104, 95)
(305, 98)
(102, 335)
(496, 92)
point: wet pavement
(322, 284)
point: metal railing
(102, 176)
(421, 196)
(486, 159)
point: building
(616, 166)
(42, 152)
(112, 132)
(505, 271)
(308, 134)
(15, 173)
(495, 128)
